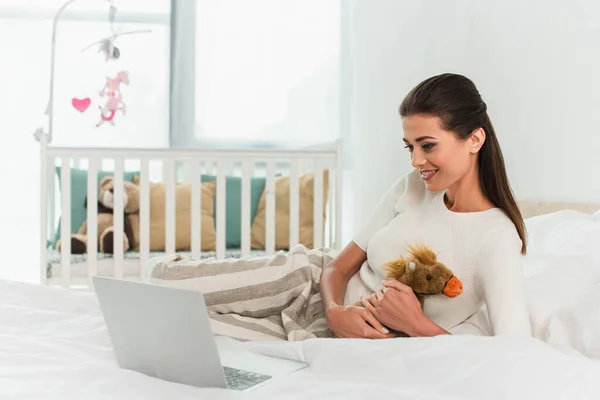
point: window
(266, 71)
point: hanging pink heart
(81, 104)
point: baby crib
(308, 177)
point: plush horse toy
(424, 274)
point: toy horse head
(424, 273)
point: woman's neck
(466, 194)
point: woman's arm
(499, 280)
(337, 273)
(426, 327)
(350, 321)
(347, 321)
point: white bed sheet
(55, 344)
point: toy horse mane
(398, 268)
(423, 254)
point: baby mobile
(111, 95)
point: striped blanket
(256, 297)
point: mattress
(131, 262)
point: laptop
(165, 333)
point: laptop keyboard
(240, 380)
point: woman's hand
(397, 307)
(355, 322)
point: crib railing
(185, 166)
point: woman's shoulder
(499, 234)
(500, 224)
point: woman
(458, 201)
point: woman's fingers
(369, 303)
(376, 333)
(374, 300)
(397, 285)
(367, 315)
(372, 333)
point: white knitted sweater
(481, 248)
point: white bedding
(562, 271)
(55, 345)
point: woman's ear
(476, 140)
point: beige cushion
(528, 209)
(282, 212)
(183, 217)
(535, 208)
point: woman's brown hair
(457, 102)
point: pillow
(79, 193)
(563, 298)
(233, 206)
(282, 213)
(562, 281)
(183, 217)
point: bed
(55, 344)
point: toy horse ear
(412, 265)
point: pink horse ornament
(114, 102)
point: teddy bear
(424, 274)
(131, 204)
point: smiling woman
(458, 202)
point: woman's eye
(409, 147)
(428, 146)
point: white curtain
(25, 40)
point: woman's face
(440, 156)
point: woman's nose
(417, 160)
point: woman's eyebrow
(420, 138)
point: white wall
(536, 64)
